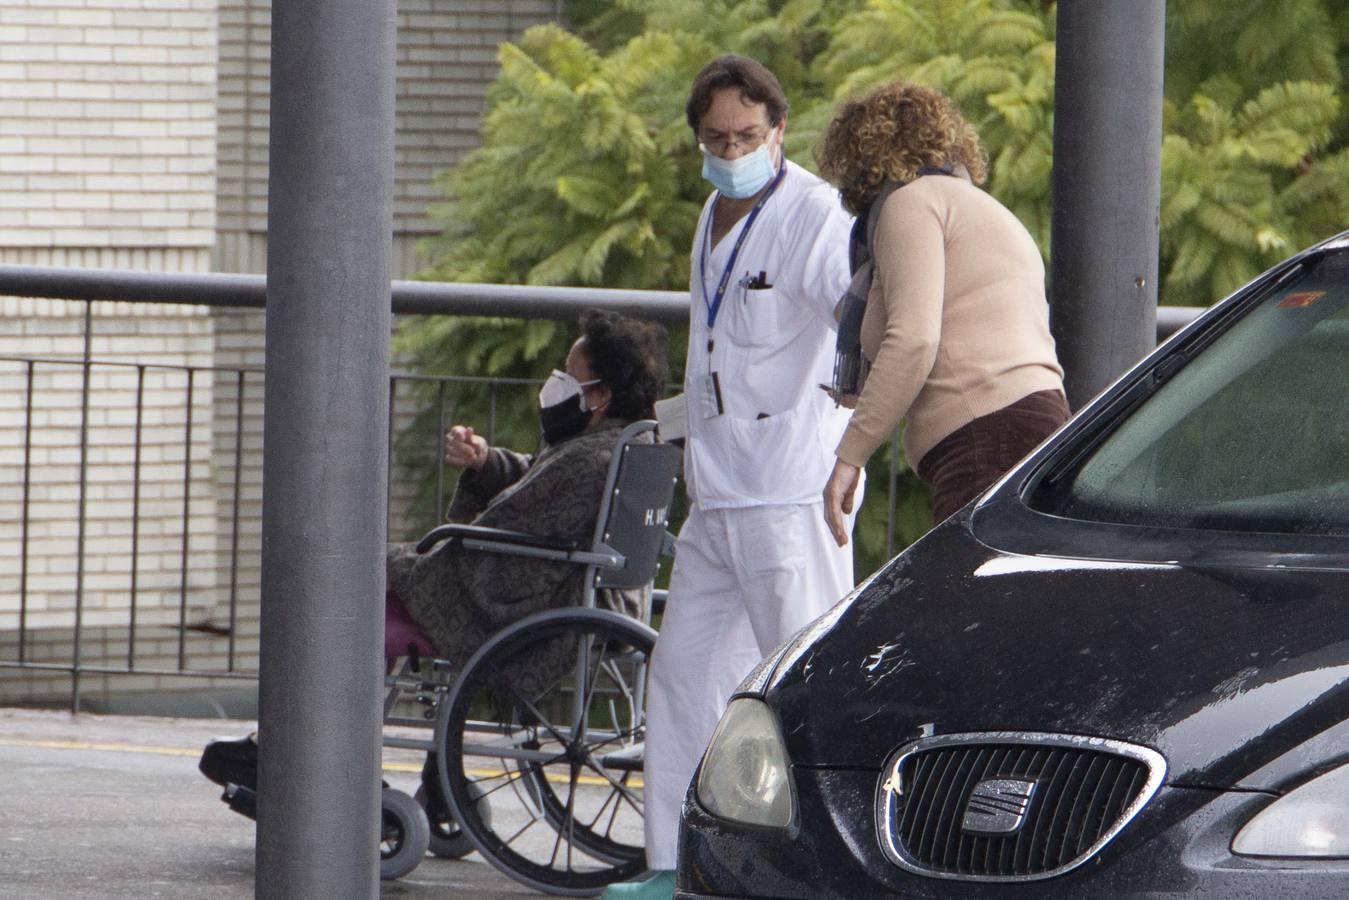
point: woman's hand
(839, 492)
(464, 449)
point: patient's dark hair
(628, 355)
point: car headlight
(744, 776)
(1311, 821)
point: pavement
(110, 807)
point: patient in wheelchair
(446, 602)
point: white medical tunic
(771, 349)
(755, 561)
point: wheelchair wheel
(542, 743)
(404, 834)
(448, 840)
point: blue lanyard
(714, 305)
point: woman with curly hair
(955, 335)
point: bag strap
(873, 217)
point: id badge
(710, 395)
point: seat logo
(997, 806)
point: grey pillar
(328, 320)
(1106, 188)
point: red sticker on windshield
(1300, 300)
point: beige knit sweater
(956, 325)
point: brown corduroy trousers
(975, 455)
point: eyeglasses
(718, 142)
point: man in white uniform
(754, 562)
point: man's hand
(464, 449)
(839, 492)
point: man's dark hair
(755, 83)
(628, 355)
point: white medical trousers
(744, 581)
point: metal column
(328, 320)
(1106, 188)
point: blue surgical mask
(739, 178)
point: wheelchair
(536, 746)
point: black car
(1123, 671)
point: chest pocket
(762, 317)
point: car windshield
(1252, 434)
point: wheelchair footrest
(241, 799)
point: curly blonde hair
(891, 133)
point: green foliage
(1232, 201)
(1253, 160)
(577, 181)
(993, 57)
(588, 174)
(1266, 43)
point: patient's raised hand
(464, 449)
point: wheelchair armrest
(496, 535)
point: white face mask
(561, 387)
(742, 177)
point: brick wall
(446, 60)
(109, 123)
(138, 124)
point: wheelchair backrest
(636, 506)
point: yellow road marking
(98, 745)
(151, 749)
(154, 750)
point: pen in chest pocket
(755, 283)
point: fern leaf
(558, 267)
(1298, 109)
(1229, 224)
(1008, 33)
(590, 269)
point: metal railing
(184, 613)
(206, 633)
(408, 297)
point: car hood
(1221, 670)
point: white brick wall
(109, 123)
(446, 60)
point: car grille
(1009, 806)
